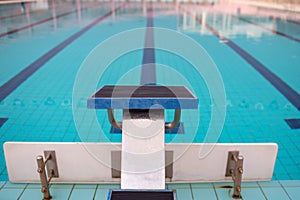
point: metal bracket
(51, 165)
(235, 170)
(168, 126)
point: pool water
(40, 106)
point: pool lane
(35, 24)
(279, 54)
(12, 16)
(293, 21)
(268, 29)
(276, 81)
(288, 92)
(148, 76)
(31, 17)
(41, 22)
(41, 39)
(30, 11)
(288, 27)
(22, 76)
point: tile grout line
(3, 185)
(284, 190)
(191, 189)
(71, 191)
(262, 191)
(94, 196)
(23, 191)
(215, 191)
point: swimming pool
(258, 59)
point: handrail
(168, 126)
(171, 125)
(112, 120)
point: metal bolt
(40, 170)
(238, 189)
(241, 170)
(44, 190)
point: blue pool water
(39, 108)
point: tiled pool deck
(250, 190)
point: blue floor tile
(79, 194)
(101, 194)
(58, 193)
(32, 193)
(15, 185)
(201, 185)
(224, 193)
(204, 193)
(274, 193)
(2, 183)
(178, 186)
(293, 192)
(252, 193)
(290, 183)
(269, 184)
(183, 193)
(85, 186)
(10, 193)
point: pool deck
(250, 190)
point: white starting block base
(77, 165)
(143, 150)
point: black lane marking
(148, 76)
(2, 121)
(293, 123)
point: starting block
(143, 128)
(142, 163)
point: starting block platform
(76, 163)
(143, 97)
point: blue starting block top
(143, 97)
